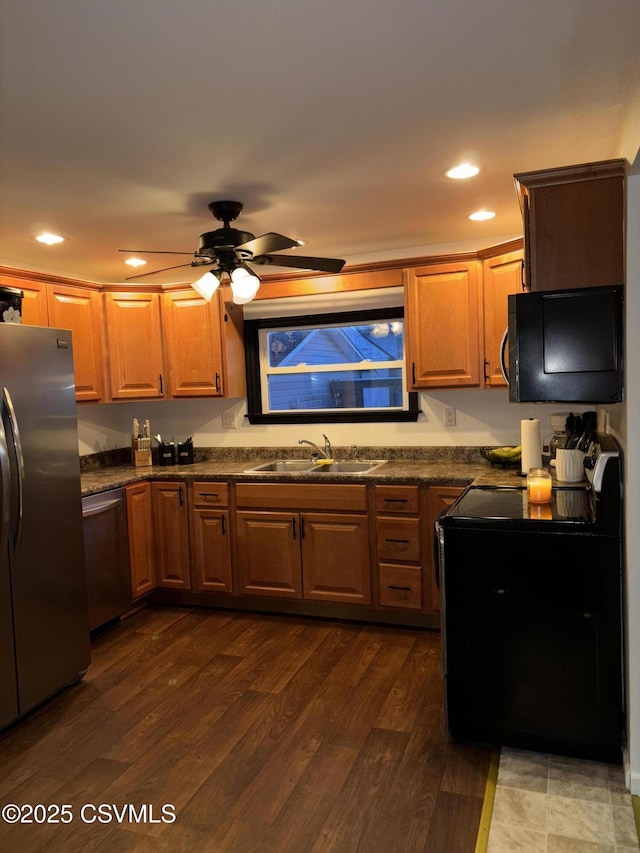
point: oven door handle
(436, 545)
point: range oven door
(531, 638)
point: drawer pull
(395, 586)
(209, 495)
(402, 541)
(395, 500)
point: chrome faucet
(326, 453)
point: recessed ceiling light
(49, 239)
(481, 215)
(464, 170)
(135, 262)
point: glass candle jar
(539, 486)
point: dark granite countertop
(435, 471)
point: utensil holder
(185, 453)
(166, 454)
(569, 465)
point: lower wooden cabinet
(316, 556)
(211, 551)
(213, 537)
(171, 534)
(399, 546)
(140, 528)
(335, 558)
(268, 554)
(311, 556)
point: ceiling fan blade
(270, 242)
(301, 262)
(154, 252)
(164, 269)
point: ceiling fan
(229, 251)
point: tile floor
(550, 804)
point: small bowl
(498, 458)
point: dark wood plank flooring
(264, 732)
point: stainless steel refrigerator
(44, 628)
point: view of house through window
(333, 366)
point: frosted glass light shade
(206, 285)
(244, 285)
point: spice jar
(539, 486)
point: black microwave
(565, 346)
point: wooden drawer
(301, 496)
(210, 494)
(397, 499)
(398, 539)
(401, 586)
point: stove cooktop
(492, 503)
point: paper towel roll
(531, 445)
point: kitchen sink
(297, 466)
(283, 466)
(362, 466)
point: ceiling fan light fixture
(244, 285)
(135, 262)
(206, 285)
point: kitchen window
(345, 367)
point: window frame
(255, 414)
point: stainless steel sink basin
(282, 466)
(298, 466)
(362, 466)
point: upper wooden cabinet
(80, 310)
(574, 225)
(203, 345)
(501, 276)
(444, 309)
(134, 338)
(34, 302)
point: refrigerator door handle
(5, 475)
(17, 446)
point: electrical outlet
(228, 420)
(449, 416)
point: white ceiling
(332, 121)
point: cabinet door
(80, 310)
(211, 551)
(193, 344)
(444, 313)
(500, 277)
(268, 554)
(140, 527)
(439, 498)
(135, 345)
(335, 558)
(170, 534)
(574, 225)
(34, 299)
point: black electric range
(531, 614)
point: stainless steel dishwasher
(107, 556)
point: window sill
(370, 416)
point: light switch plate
(228, 420)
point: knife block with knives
(141, 444)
